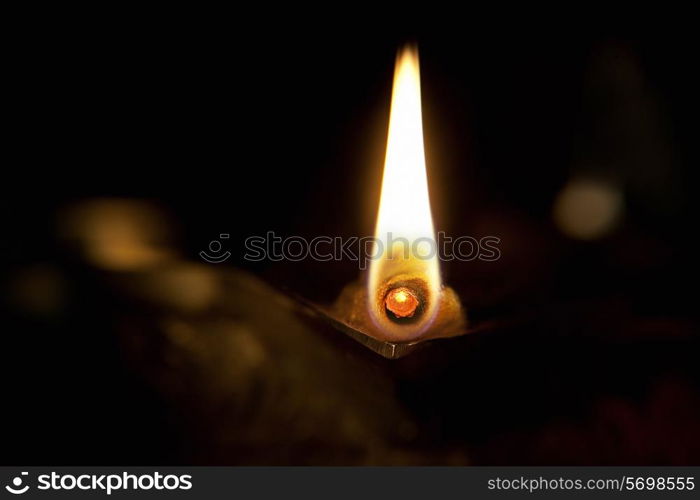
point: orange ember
(402, 302)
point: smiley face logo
(16, 488)
(217, 256)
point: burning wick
(403, 299)
(404, 215)
(402, 302)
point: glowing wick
(402, 302)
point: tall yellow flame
(404, 208)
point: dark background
(230, 124)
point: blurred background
(136, 139)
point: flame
(404, 216)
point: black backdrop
(243, 124)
